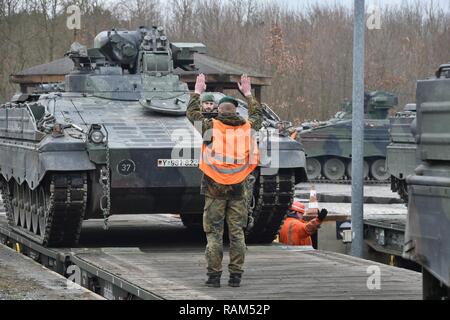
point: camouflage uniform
(224, 201)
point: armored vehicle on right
(328, 145)
(427, 237)
(401, 152)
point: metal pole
(358, 129)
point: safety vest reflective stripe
(223, 158)
(291, 241)
(293, 233)
(224, 170)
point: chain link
(106, 185)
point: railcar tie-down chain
(106, 185)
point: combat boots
(235, 280)
(213, 280)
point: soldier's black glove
(322, 214)
(210, 115)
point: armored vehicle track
(52, 214)
(348, 181)
(272, 197)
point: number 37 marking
(126, 167)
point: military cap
(228, 99)
(208, 97)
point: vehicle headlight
(97, 136)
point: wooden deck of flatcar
(272, 272)
(155, 257)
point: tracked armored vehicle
(114, 139)
(328, 145)
(401, 152)
(427, 237)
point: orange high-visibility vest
(296, 232)
(232, 154)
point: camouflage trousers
(215, 213)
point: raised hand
(245, 85)
(200, 84)
(322, 214)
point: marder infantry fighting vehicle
(401, 152)
(328, 145)
(427, 236)
(115, 140)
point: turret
(134, 65)
(140, 51)
(378, 104)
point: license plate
(177, 163)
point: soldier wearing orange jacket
(229, 154)
(297, 232)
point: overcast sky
(295, 4)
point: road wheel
(378, 170)
(365, 169)
(42, 210)
(15, 203)
(34, 212)
(313, 168)
(27, 208)
(22, 203)
(334, 169)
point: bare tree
(182, 19)
(307, 52)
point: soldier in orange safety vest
(229, 154)
(297, 232)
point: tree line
(307, 52)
